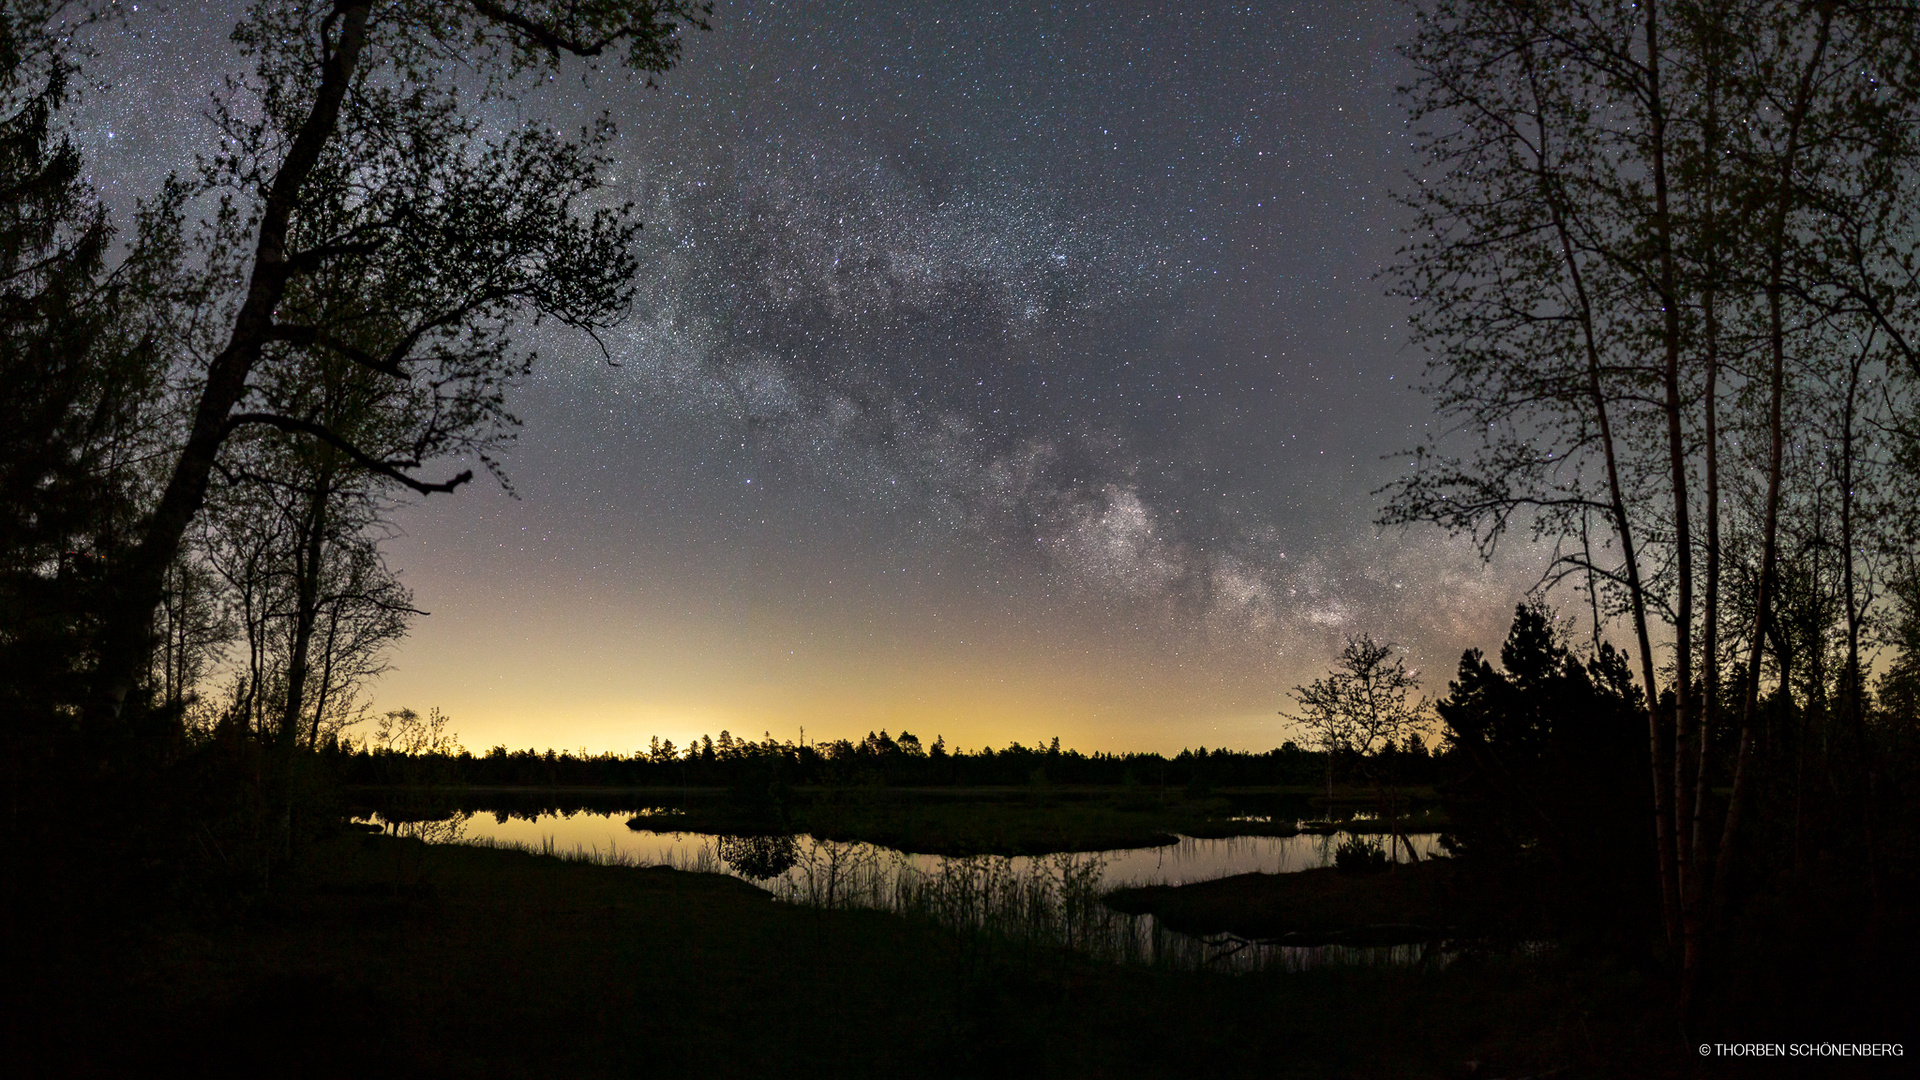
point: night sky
(996, 375)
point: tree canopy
(218, 406)
(1662, 257)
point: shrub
(1359, 855)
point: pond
(1191, 859)
(1039, 900)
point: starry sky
(996, 374)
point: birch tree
(1636, 225)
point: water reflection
(1191, 859)
(759, 858)
(1038, 900)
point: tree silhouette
(81, 390)
(1645, 232)
(1544, 768)
(1362, 710)
(373, 218)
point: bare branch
(388, 469)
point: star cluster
(999, 373)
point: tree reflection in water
(759, 858)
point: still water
(1189, 860)
(1049, 900)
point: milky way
(994, 374)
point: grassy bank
(394, 959)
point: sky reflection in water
(1174, 864)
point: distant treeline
(901, 760)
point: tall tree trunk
(1782, 199)
(1710, 617)
(1676, 854)
(328, 654)
(126, 633)
(309, 570)
(1616, 498)
(311, 531)
(1851, 690)
(1713, 53)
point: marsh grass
(1057, 902)
(996, 903)
(983, 901)
(991, 906)
(561, 959)
(1051, 901)
(701, 860)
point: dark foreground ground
(1434, 899)
(391, 959)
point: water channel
(1047, 899)
(1189, 860)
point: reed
(592, 855)
(997, 904)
